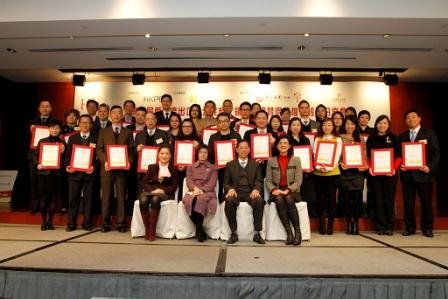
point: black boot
(285, 221)
(322, 226)
(349, 227)
(355, 226)
(330, 225)
(294, 216)
(198, 220)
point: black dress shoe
(50, 226)
(381, 232)
(105, 229)
(407, 233)
(122, 229)
(389, 233)
(70, 228)
(428, 234)
(88, 228)
(258, 239)
(233, 238)
(43, 226)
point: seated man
(243, 182)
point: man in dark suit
(163, 116)
(244, 110)
(102, 120)
(139, 124)
(243, 182)
(43, 119)
(227, 107)
(308, 124)
(80, 181)
(115, 134)
(92, 109)
(129, 109)
(419, 180)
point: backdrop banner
(372, 96)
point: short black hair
(227, 100)
(115, 107)
(241, 141)
(104, 105)
(86, 116)
(412, 110)
(246, 103)
(210, 102)
(261, 111)
(141, 108)
(165, 95)
(129, 101)
(303, 102)
(92, 101)
(364, 112)
(253, 104)
(223, 114)
(53, 123)
(286, 109)
(72, 111)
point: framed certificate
(67, 136)
(260, 146)
(224, 152)
(305, 153)
(285, 127)
(243, 128)
(163, 127)
(147, 156)
(311, 136)
(125, 124)
(184, 153)
(117, 156)
(382, 161)
(353, 155)
(38, 133)
(325, 153)
(206, 133)
(82, 156)
(50, 155)
(364, 137)
(414, 155)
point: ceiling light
(306, 34)
(386, 35)
(203, 77)
(79, 80)
(11, 51)
(152, 48)
(326, 79)
(264, 78)
(147, 35)
(301, 48)
(71, 37)
(138, 79)
(390, 79)
(226, 35)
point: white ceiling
(181, 43)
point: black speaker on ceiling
(79, 80)
(326, 79)
(390, 79)
(138, 79)
(203, 77)
(264, 78)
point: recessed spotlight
(147, 35)
(386, 35)
(71, 37)
(11, 51)
(152, 48)
(226, 35)
(301, 48)
(306, 34)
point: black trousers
(34, 197)
(308, 194)
(107, 187)
(75, 187)
(424, 190)
(326, 189)
(232, 204)
(352, 204)
(48, 192)
(383, 188)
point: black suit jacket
(432, 155)
(161, 118)
(96, 126)
(159, 135)
(76, 139)
(232, 176)
(218, 137)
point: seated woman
(200, 200)
(159, 184)
(283, 180)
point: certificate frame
(165, 128)
(34, 143)
(372, 156)
(223, 142)
(362, 152)
(311, 137)
(67, 136)
(72, 159)
(125, 147)
(176, 152)
(364, 137)
(41, 152)
(140, 167)
(207, 133)
(406, 161)
(285, 127)
(125, 124)
(247, 128)
(310, 153)
(319, 146)
(252, 147)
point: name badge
(159, 141)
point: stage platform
(60, 264)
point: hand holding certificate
(382, 161)
(184, 153)
(49, 155)
(260, 146)
(38, 133)
(224, 152)
(305, 153)
(414, 155)
(353, 155)
(81, 158)
(146, 157)
(325, 153)
(117, 157)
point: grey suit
(294, 175)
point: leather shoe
(88, 228)
(389, 233)
(233, 238)
(105, 229)
(258, 239)
(428, 234)
(407, 233)
(70, 228)
(122, 229)
(50, 226)
(43, 226)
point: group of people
(243, 179)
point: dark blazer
(432, 155)
(106, 137)
(159, 135)
(235, 124)
(37, 121)
(76, 139)
(96, 126)
(151, 180)
(233, 175)
(161, 118)
(218, 137)
(312, 125)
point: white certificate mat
(325, 153)
(353, 155)
(414, 155)
(39, 133)
(184, 153)
(382, 161)
(304, 154)
(206, 135)
(260, 146)
(244, 128)
(49, 155)
(82, 158)
(147, 156)
(224, 152)
(118, 157)
(311, 136)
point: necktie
(151, 132)
(243, 164)
(413, 133)
(167, 116)
(44, 120)
(84, 139)
(103, 124)
(117, 130)
(305, 122)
